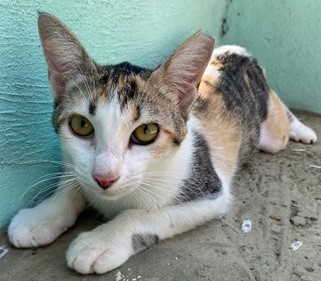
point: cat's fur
(179, 181)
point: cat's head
(117, 122)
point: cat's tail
(281, 126)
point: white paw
(30, 228)
(301, 133)
(98, 251)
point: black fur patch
(92, 108)
(245, 93)
(124, 69)
(137, 114)
(176, 141)
(238, 91)
(203, 181)
(142, 241)
(123, 78)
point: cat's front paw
(98, 252)
(30, 228)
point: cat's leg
(280, 126)
(111, 244)
(274, 134)
(42, 224)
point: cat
(154, 151)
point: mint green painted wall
(285, 37)
(143, 32)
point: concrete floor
(281, 194)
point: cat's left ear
(66, 58)
(183, 71)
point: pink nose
(105, 181)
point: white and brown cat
(155, 151)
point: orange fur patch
(219, 128)
(160, 150)
(277, 121)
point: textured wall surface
(143, 32)
(285, 37)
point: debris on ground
(3, 251)
(275, 217)
(247, 226)
(314, 166)
(298, 221)
(296, 245)
(121, 277)
(299, 149)
(118, 276)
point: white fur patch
(212, 71)
(42, 224)
(301, 132)
(231, 49)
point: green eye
(81, 126)
(145, 134)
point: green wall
(285, 36)
(142, 32)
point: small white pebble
(168, 264)
(129, 269)
(247, 226)
(134, 279)
(296, 245)
(176, 258)
(299, 149)
(314, 166)
(138, 277)
(119, 276)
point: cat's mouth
(115, 192)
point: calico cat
(153, 150)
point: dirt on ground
(281, 196)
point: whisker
(42, 181)
(163, 187)
(144, 196)
(36, 162)
(65, 189)
(54, 186)
(162, 180)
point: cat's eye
(81, 126)
(145, 134)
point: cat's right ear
(183, 70)
(67, 60)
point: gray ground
(281, 194)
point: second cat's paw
(29, 228)
(98, 252)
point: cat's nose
(105, 181)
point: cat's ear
(183, 70)
(67, 60)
